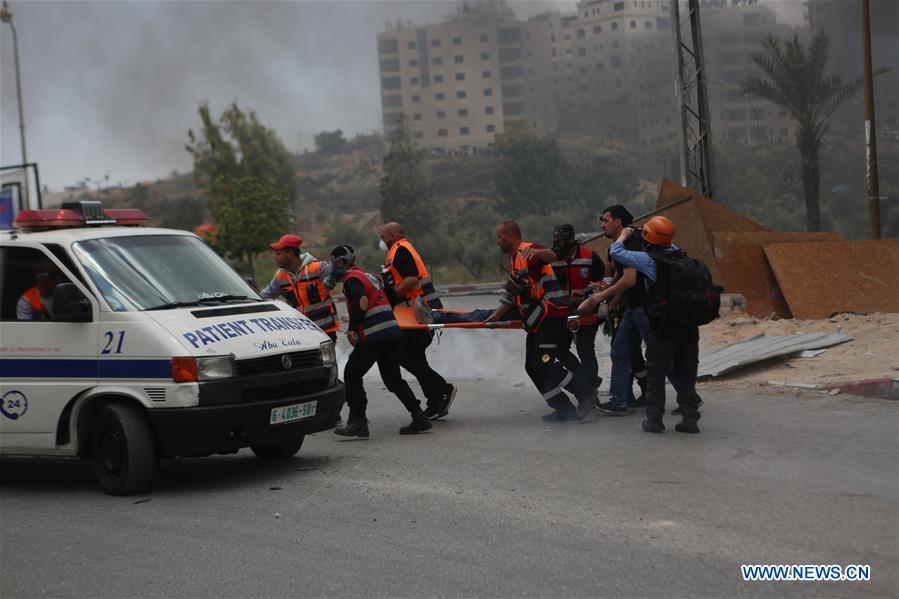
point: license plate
(293, 412)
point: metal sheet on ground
(758, 348)
(821, 278)
(745, 269)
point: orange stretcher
(405, 316)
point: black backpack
(685, 288)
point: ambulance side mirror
(70, 305)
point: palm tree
(793, 77)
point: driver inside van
(36, 303)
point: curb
(883, 388)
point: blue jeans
(633, 328)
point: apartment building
(461, 81)
(733, 32)
(606, 70)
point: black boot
(419, 424)
(653, 426)
(687, 425)
(355, 427)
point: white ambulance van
(124, 345)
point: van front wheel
(285, 449)
(122, 449)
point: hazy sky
(112, 87)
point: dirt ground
(873, 352)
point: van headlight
(329, 353)
(190, 369)
(215, 367)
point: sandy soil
(873, 352)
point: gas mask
(383, 245)
(563, 240)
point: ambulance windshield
(155, 272)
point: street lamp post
(6, 17)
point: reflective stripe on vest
(378, 324)
(571, 273)
(425, 287)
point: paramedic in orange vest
(406, 280)
(576, 267)
(376, 339)
(37, 302)
(300, 280)
(534, 291)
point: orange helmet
(659, 231)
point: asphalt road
(492, 502)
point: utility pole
(696, 134)
(6, 17)
(871, 178)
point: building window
(614, 25)
(461, 94)
(436, 61)
(633, 24)
(413, 80)
(581, 33)
(648, 24)
(485, 55)
(484, 38)
(457, 41)
(619, 6)
(391, 83)
(463, 130)
(460, 76)
(488, 92)
(600, 66)
(435, 43)
(581, 51)
(440, 96)
(488, 109)
(416, 99)
(416, 116)
(438, 78)
(413, 63)
(392, 101)
(485, 74)
(390, 46)
(441, 114)
(419, 135)
(459, 59)
(411, 45)
(491, 128)
(441, 133)
(597, 29)
(390, 65)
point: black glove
(329, 282)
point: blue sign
(6, 208)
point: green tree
(405, 187)
(248, 177)
(531, 175)
(327, 142)
(793, 77)
(251, 213)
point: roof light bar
(77, 215)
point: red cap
(287, 241)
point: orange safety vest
(378, 324)
(313, 298)
(425, 287)
(544, 298)
(38, 309)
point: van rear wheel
(122, 449)
(284, 449)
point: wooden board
(821, 278)
(745, 270)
